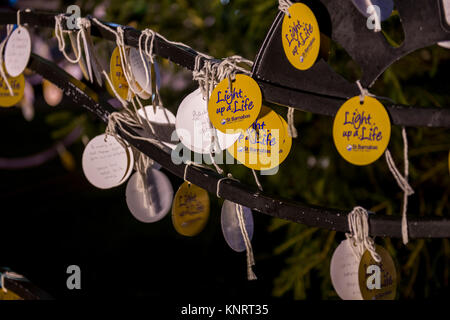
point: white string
(258, 183)
(291, 125)
(364, 92)
(283, 6)
(228, 177)
(402, 182)
(360, 241)
(248, 245)
(9, 275)
(2, 71)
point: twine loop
(358, 223)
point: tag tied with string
(149, 192)
(361, 129)
(359, 269)
(237, 228)
(300, 34)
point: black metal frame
(313, 216)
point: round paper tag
(190, 209)
(230, 111)
(17, 51)
(264, 145)
(383, 8)
(194, 128)
(361, 132)
(230, 225)
(159, 196)
(344, 272)
(117, 76)
(106, 164)
(18, 87)
(138, 69)
(163, 122)
(52, 94)
(301, 36)
(377, 281)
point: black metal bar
(312, 216)
(298, 98)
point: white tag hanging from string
(231, 228)
(359, 269)
(162, 121)
(149, 200)
(237, 228)
(194, 128)
(17, 51)
(106, 162)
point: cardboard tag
(18, 86)
(301, 36)
(377, 280)
(344, 270)
(266, 144)
(117, 76)
(195, 129)
(361, 132)
(236, 109)
(230, 225)
(17, 51)
(190, 209)
(159, 193)
(106, 164)
(163, 122)
(143, 79)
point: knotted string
(240, 216)
(83, 24)
(402, 182)
(284, 5)
(360, 241)
(9, 29)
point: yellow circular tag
(301, 36)
(190, 209)
(265, 144)
(237, 109)
(18, 87)
(117, 76)
(361, 132)
(377, 281)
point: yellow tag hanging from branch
(377, 280)
(117, 75)
(190, 209)
(361, 132)
(264, 145)
(236, 108)
(301, 36)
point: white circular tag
(138, 69)
(159, 196)
(163, 122)
(106, 164)
(17, 51)
(194, 128)
(230, 225)
(344, 269)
